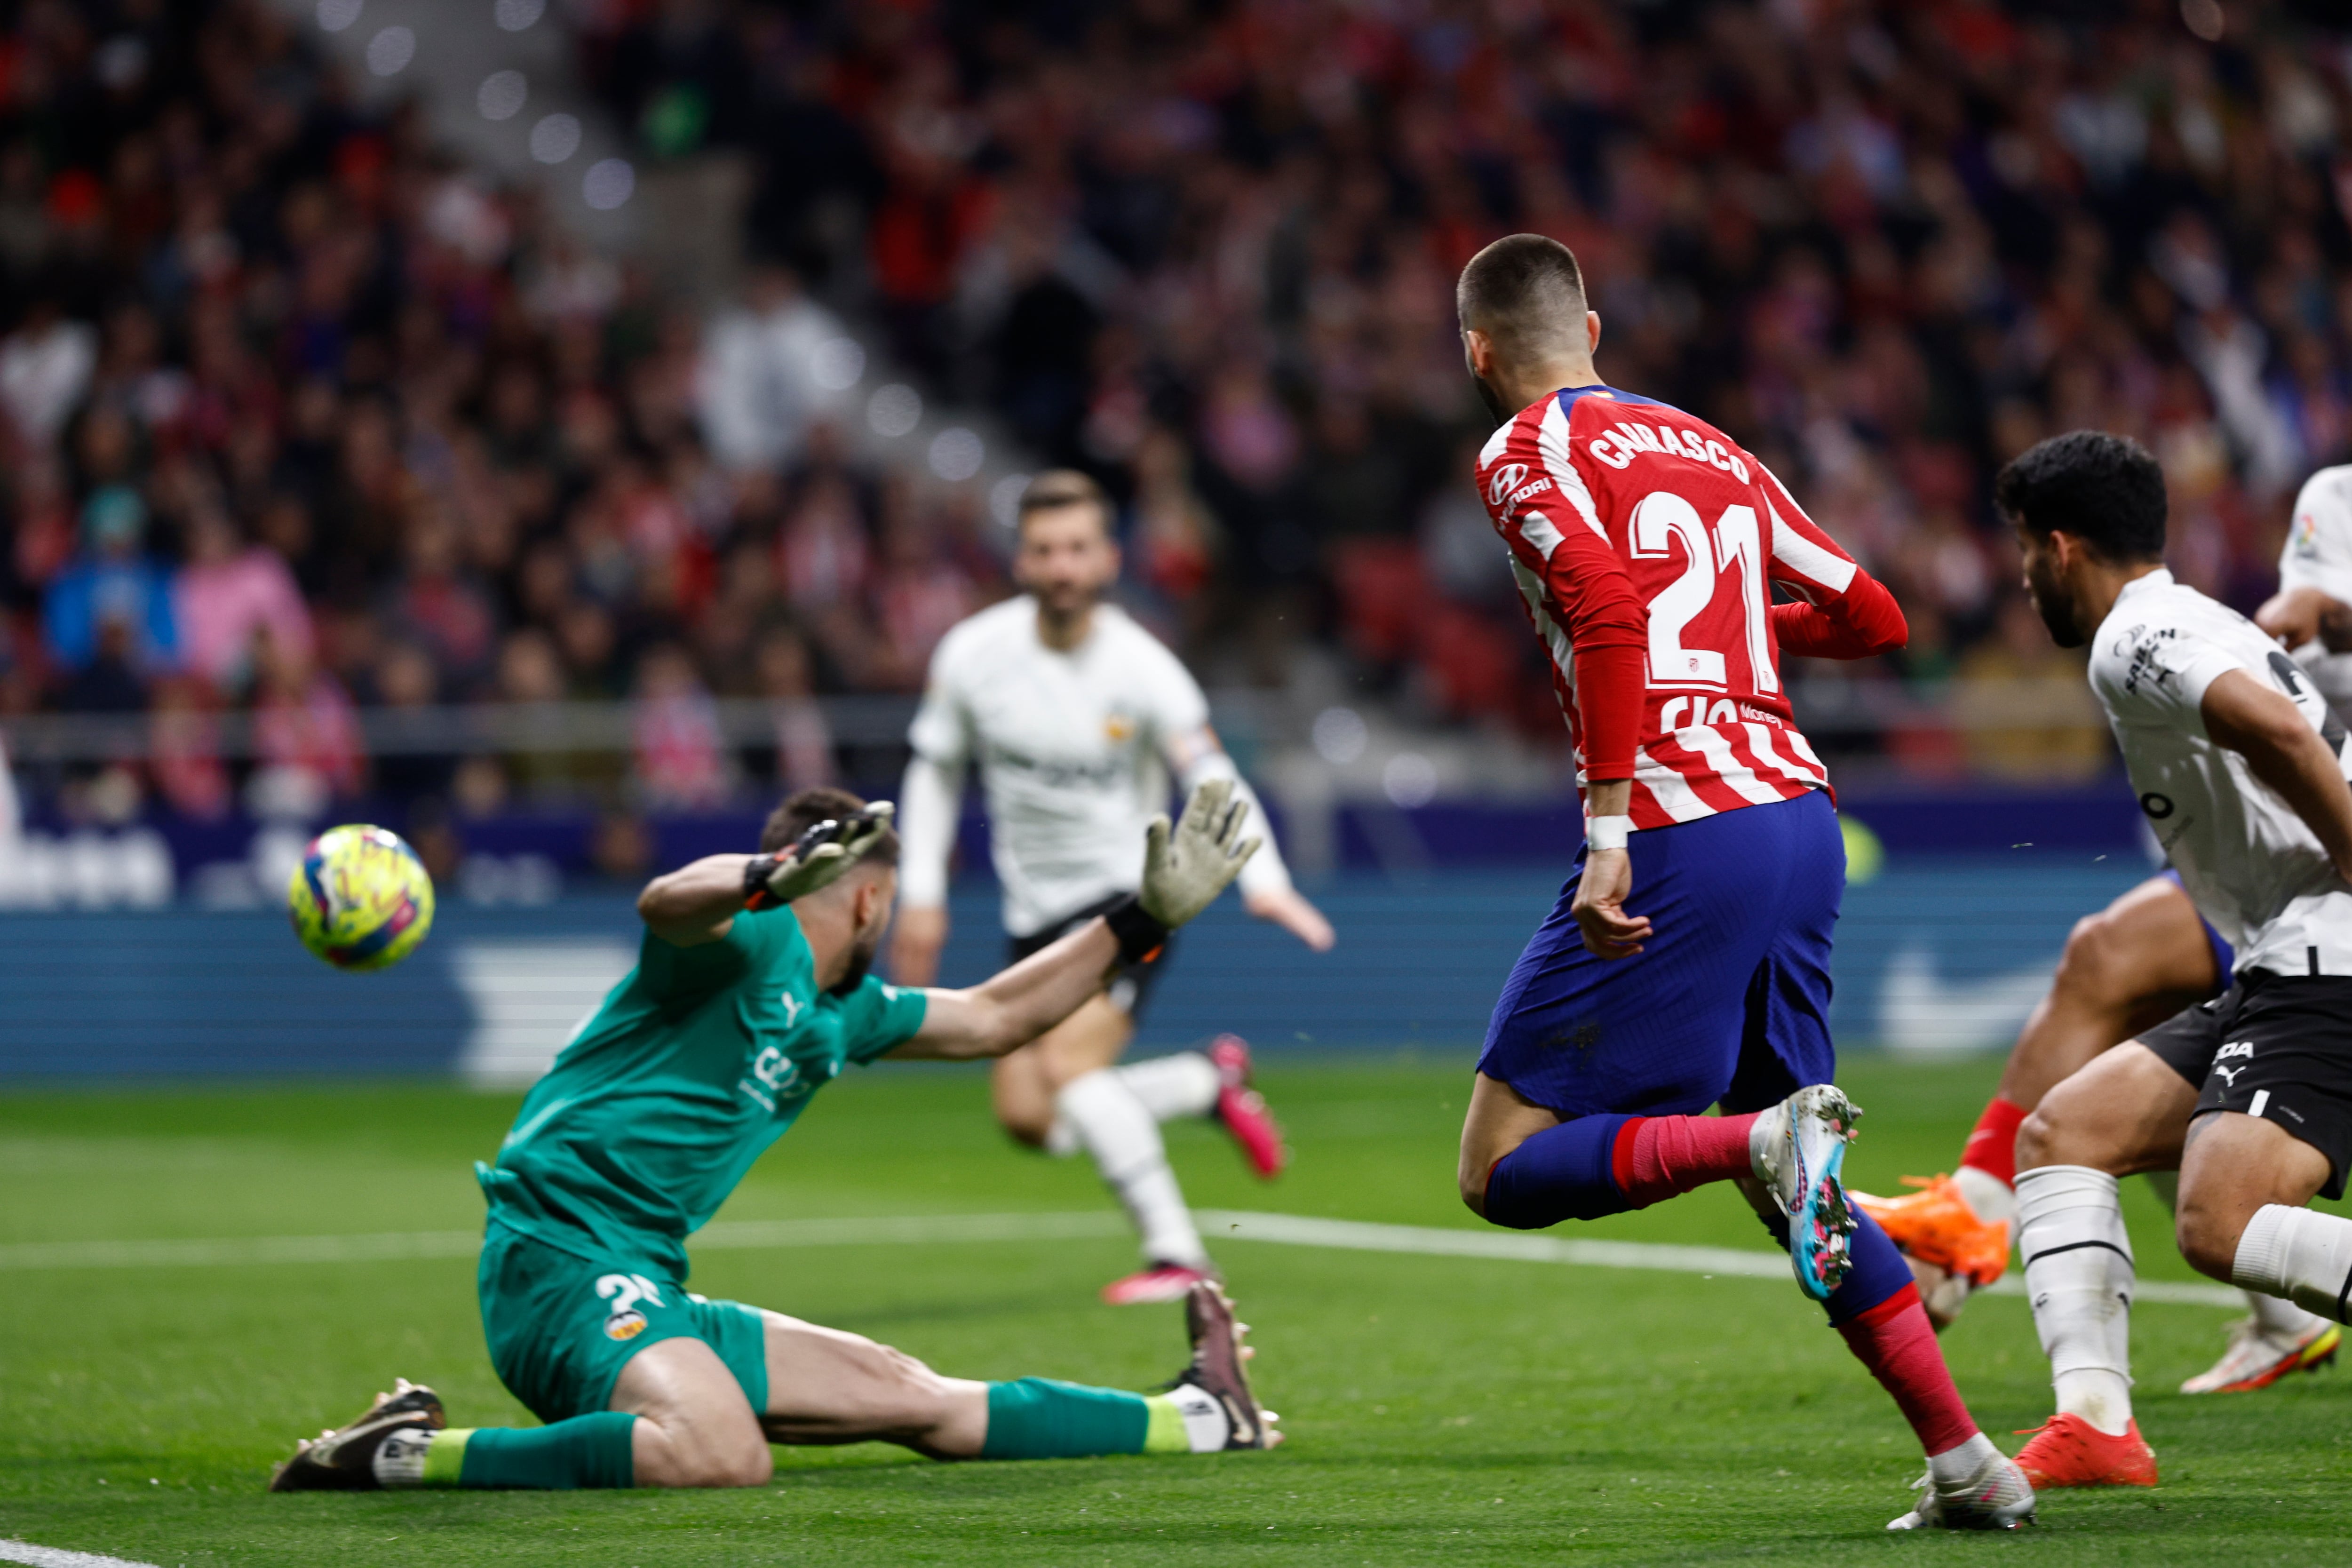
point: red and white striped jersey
(1647, 545)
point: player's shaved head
(1525, 292)
(1057, 491)
(803, 809)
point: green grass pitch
(1439, 1410)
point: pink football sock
(1655, 1157)
(1897, 1344)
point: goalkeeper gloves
(1184, 869)
(817, 859)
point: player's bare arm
(697, 903)
(1289, 909)
(1184, 869)
(931, 797)
(2300, 616)
(1197, 754)
(1607, 881)
(917, 938)
(2286, 753)
(1017, 1004)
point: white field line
(56, 1557)
(1359, 1236)
(933, 1230)
(397, 1246)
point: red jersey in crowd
(1647, 545)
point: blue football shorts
(1728, 1002)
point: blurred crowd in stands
(300, 416)
(1207, 250)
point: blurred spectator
(822, 554)
(2028, 710)
(1176, 541)
(408, 686)
(681, 760)
(45, 522)
(621, 849)
(804, 739)
(183, 750)
(46, 366)
(584, 632)
(111, 601)
(437, 600)
(1041, 345)
(226, 595)
(919, 593)
(109, 680)
(1458, 547)
(306, 736)
(436, 841)
(761, 382)
(530, 676)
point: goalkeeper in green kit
(750, 994)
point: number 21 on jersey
(1660, 521)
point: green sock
(1044, 1418)
(587, 1451)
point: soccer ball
(361, 898)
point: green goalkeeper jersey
(694, 1063)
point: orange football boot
(1936, 1225)
(2068, 1451)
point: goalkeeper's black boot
(1217, 1370)
(345, 1461)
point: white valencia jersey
(2318, 554)
(1072, 749)
(2252, 868)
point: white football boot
(1995, 1496)
(1797, 1149)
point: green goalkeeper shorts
(562, 1324)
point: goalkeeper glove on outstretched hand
(819, 857)
(1184, 868)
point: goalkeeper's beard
(861, 963)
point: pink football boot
(1243, 1109)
